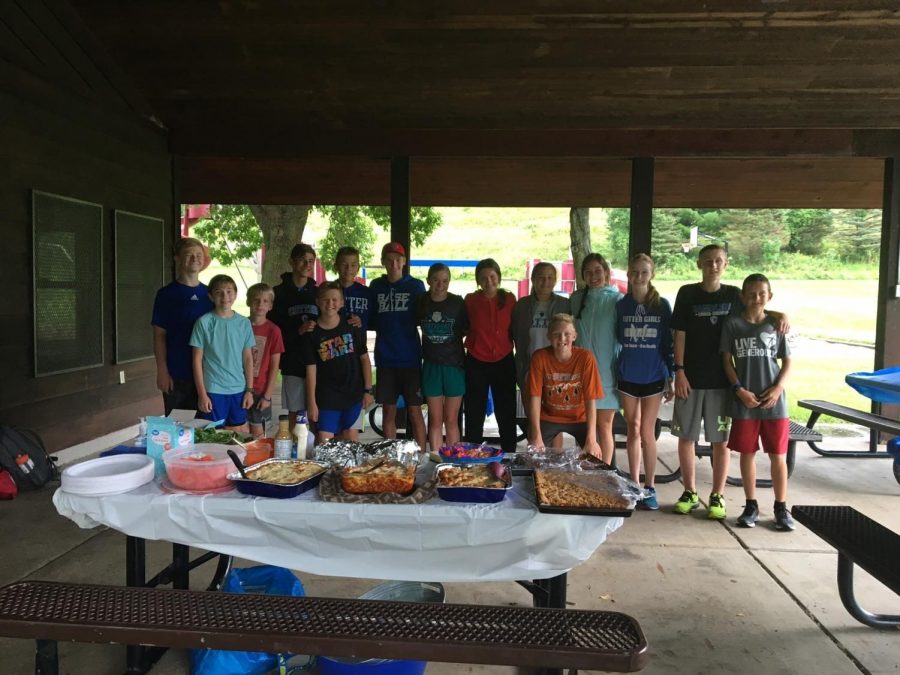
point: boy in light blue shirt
(222, 358)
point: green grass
(817, 372)
(843, 311)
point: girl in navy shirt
(644, 367)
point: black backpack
(38, 471)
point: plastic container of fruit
(201, 467)
(470, 453)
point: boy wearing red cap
(398, 350)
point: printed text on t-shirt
(393, 302)
(339, 345)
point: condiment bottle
(301, 432)
(25, 464)
(283, 440)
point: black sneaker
(749, 517)
(783, 520)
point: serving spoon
(237, 462)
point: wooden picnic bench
(859, 540)
(49, 611)
(875, 423)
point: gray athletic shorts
(293, 393)
(713, 406)
(550, 430)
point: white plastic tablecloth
(434, 541)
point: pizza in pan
(596, 490)
(379, 476)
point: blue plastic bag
(262, 580)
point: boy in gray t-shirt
(751, 349)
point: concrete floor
(710, 597)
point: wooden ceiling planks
(458, 181)
(470, 89)
(521, 64)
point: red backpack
(8, 489)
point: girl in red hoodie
(489, 361)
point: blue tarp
(882, 385)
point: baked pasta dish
(378, 476)
(477, 475)
(285, 473)
(596, 490)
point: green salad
(217, 436)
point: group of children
(576, 360)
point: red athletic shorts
(746, 434)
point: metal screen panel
(139, 273)
(67, 257)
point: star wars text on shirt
(339, 345)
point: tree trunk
(580, 236)
(282, 227)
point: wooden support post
(641, 229)
(887, 322)
(400, 202)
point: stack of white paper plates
(108, 475)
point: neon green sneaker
(716, 508)
(687, 502)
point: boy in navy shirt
(176, 307)
(398, 351)
(294, 312)
(358, 299)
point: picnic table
(882, 386)
(432, 541)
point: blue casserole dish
(260, 488)
(484, 495)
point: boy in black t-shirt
(702, 392)
(338, 371)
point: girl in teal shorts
(442, 316)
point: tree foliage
(808, 229)
(236, 232)
(230, 232)
(618, 222)
(754, 237)
(856, 235)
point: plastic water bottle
(301, 434)
(141, 440)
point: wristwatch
(677, 367)
(736, 386)
(369, 390)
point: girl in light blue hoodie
(594, 308)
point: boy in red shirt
(563, 384)
(266, 356)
